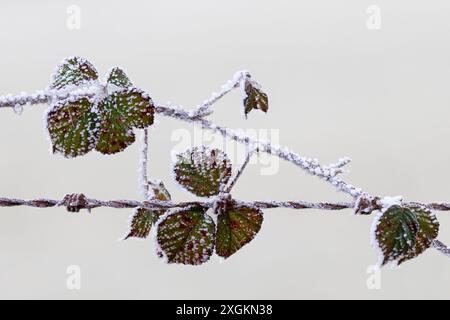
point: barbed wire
(77, 202)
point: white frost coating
(373, 238)
(242, 81)
(61, 103)
(336, 168)
(89, 89)
(388, 202)
(328, 173)
(80, 64)
(18, 109)
(309, 165)
(111, 87)
(184, 115)
(204, 108)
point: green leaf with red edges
(73, 127)
(235, 228)
(120, 112)
(403, 232)
(202, 171)
(73, 71)
(186, 236)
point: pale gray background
(336, 88)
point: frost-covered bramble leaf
(186, 236)
(120, 112)
(117, 77)
(402, 233)
(73, 71)
(132, 107)
(142, 221)
(254, 97)
(202, 171)
(73, 127)
(235, 228)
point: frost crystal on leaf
(402, 233)
(118, 78)
(73, 127)
(235, 228)
(186, 237)
(73, 71)
(203, 171)
(120, 112)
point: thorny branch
(310, 165)
(328, 173)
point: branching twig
(204, 108)
(328, 173)
(311, 166)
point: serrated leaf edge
(111, 85)
(130, 225)
(373, 239)
(177, 154)
(130, 127)
(71, 87)
(56, 106)
(159, 252)
(246, 243)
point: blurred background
(362, 79)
